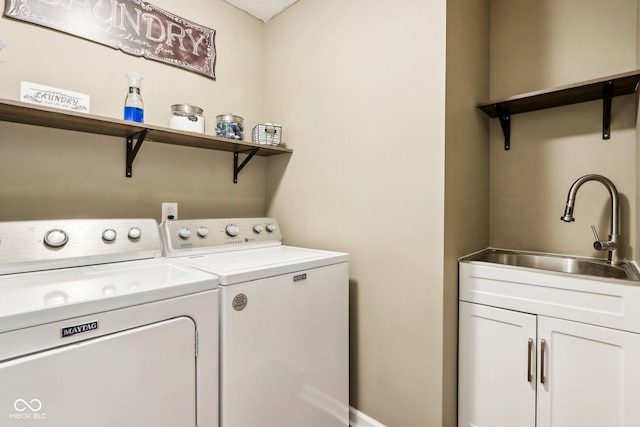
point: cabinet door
(589, 375)
(497, 379)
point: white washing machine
(284, 339)
(97, 329)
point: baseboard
(358, 419)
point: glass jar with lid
(230, 126)
(186, 117)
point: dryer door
(144, 376)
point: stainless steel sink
(559, 263)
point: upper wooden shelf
(603, 88)
(20, 112)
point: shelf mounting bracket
(606, 110)
(132, 151)
(237, 168)
(505, 122)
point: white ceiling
(262, 9)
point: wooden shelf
(603, 88)
(20, 112)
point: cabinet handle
(530, 360)
(543, 350)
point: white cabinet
(592, 375)
(496, 370)
(523, 369)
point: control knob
(56, 238)
(203, 232)
(258, 228)
(232, 230)
(271, 227)
(134, 233)
(184, 233)
(109, 235)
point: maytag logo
(82, 328)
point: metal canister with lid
(230, 126)
(186, 117)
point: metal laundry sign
(133, 26)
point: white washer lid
(29, 299)
(253, 264)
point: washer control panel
(211, 235)
(42, 245)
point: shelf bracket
(236, 168)
(606, 110)
(132, 151)
(505, 122)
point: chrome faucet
(613, 244)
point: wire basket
(267, 134)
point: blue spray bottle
(133, 105)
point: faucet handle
(598, 245)
(604, 245)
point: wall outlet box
(169, 211)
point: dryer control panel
(218, 235)
(48, 244)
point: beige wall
(543, 44)
(54, 174)
(361, 88)
(467, 167)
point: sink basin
(558, 263)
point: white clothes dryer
(284, 327)
(97, 329)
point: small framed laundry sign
(34, 93)
(132, 26)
